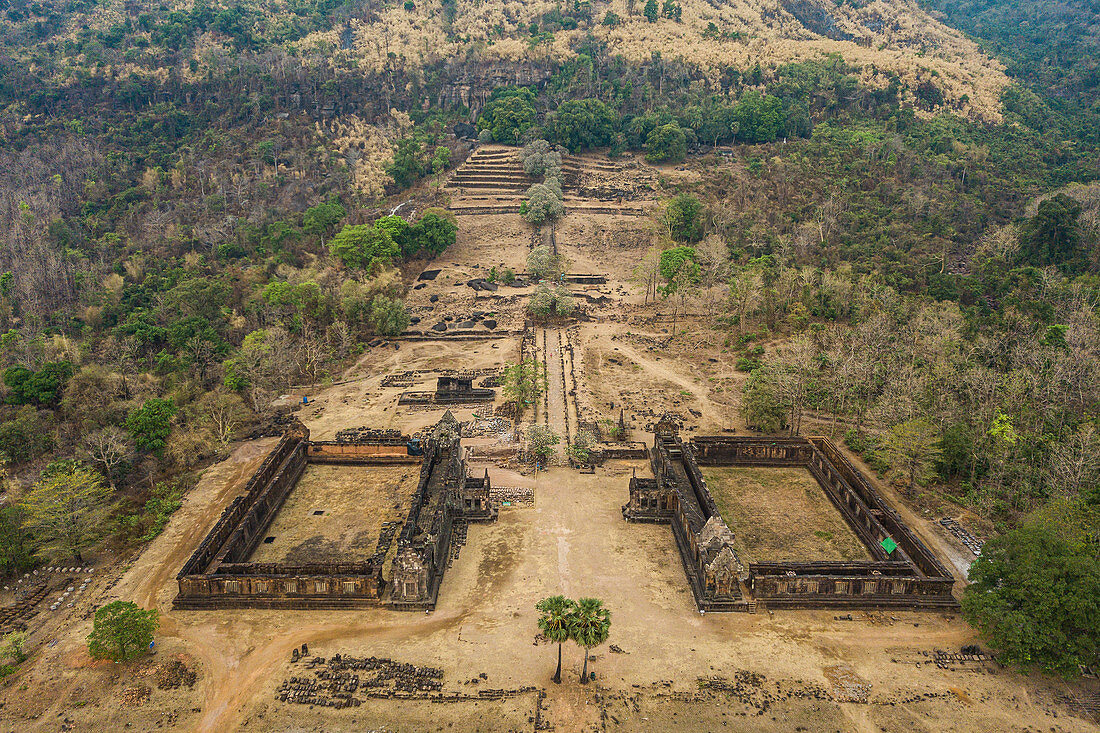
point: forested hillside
(199, 209)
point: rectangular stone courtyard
(335, 513)
(781, 514)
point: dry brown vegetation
(883, 38)
(781, 514)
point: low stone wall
(359, 453)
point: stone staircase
(492, 181)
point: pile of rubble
(459, 532)
(513, 495)
(135, 696)
(368, 435)
(492, 426)
(847, 686)
(11, 617)
(969, 541)
(343, 681)
(949, 660)
(174, 675)
(336, 680)
(401, 379)
(751, 690)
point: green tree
(581, 124)
(407, 165)
(682, 218)
(763, 405)
(666, 144)
(522, 383)
(364, 247)
(435, 232)
(400, 231)
(122, 631)
(650, 11)
(42, 387)
(388, 316)
(590, 625)
(554, 623)
(16, 544)
(1034, 591)
(759, 118)
(508, 114)
(911, 450)
(441, 159)
(66, 508)
(151, 424)
(541, 440)
(321, 220)
(1053, 236)
(680, 272)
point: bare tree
(108, 449)
(1075, 463)
(744, 296)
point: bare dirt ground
(672, 669)
(677, 670)
(335, 513)
(781, 514)
(621, 366)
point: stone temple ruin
(222, 574)
(457, 389)
(902, 572)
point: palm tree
(554, 623)
(590, 625)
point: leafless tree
(108, 448)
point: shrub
(151, 424)
(388, 316)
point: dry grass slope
(883, 37)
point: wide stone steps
(487, 186)
(489, 178)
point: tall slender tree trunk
(557, 675)
(584, 672)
